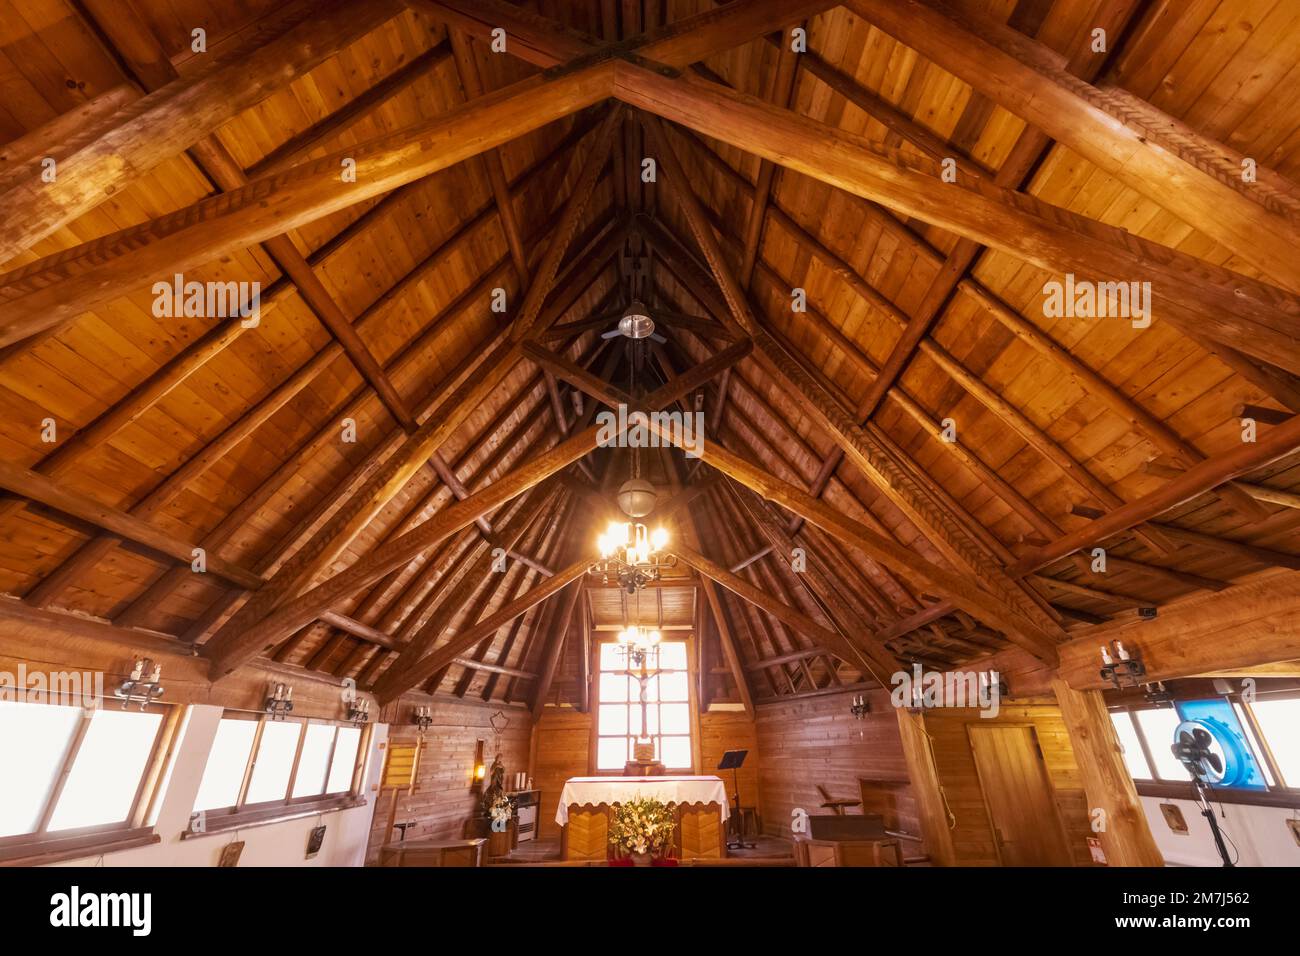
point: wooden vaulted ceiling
(775, 171)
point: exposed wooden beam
(117, 523)
(289, 44)
(467, 68)
(1193, 294)
(1246, 625)
(1246, 457)
(1125, 837)
(247, 640)
(864, 661)
(1187, 173)
(466, 394)
(554, 647)
(875, 462)
(546, 43)
(52, 290)
(387, 690)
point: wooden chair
(835, 806)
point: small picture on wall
(315, 840)
(230, 853)
(1174, 817)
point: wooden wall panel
(442, 800)
(973, 840)
(725, 730)
(817, 741)
(561, 749)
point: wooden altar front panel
(698, 835)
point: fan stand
(1207, 811)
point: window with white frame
(258, 764)
(73, 772)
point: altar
(699, 803)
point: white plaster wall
(1260, 834)
(275, 844)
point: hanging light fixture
(632, 554)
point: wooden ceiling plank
(866, 454)
(1187, 173)
(453, 648)
(494, 364)
(1225, 306)
(554, 645)
(50, 290)
(161, 125)
(270, 628)
(1152, 428)
(297, 146)
(490, 161)
(34, 487)
(1278, 443)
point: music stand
(732, 760)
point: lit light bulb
(652, 638)
(659, 538)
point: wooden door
(1021, 803)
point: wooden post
(1124, 833)
(931, 805)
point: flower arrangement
(500, 809)
(640, 826)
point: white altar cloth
(618, 789)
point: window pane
(672, 655)
(1134, 758)
(675, 718)
(676, 752)
(345, 760)
(613, 719)
(1255, 748)
(227, 762)
(313, 764)
(611, 753)
(611, 658)
(674, 686)
(651, 720)
(274, 761)
(1279, 722)
(34, 740)
(613, 688)
(1158, 727)
(106, 773)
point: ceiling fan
(635, 323)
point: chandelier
(632, 554)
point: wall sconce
(280, 701)
(859, 708)
(359, 711)
(139, 688)
(480, 768)
(1157, 694)
(1122, 670)
(422, 719)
